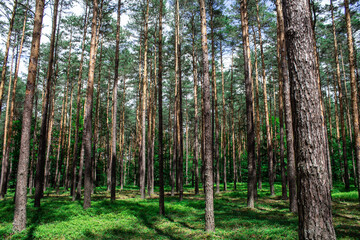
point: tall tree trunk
(39, 178)
(196, 119)
(288, 118)
(341, 101)
(315, 217)
(267, 123)
(354, 89)
(178, 97)
(144, 99)
(21, 186)
(3, 72)
(7, 139)
(160, 134)
(249, 107)
(97, 119)
(114, 107)
(257, 120)
(88, 112)
(214, 91)
(233, 121)
(8, 126)
(208, 168)
(69, 137)
(61, 139)
(223, 121)
(281, 107)
(78, 103)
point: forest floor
(130, 217)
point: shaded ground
(129, 217)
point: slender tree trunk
(281, 107)
(223, 121)
(196, 119)
(178, 97)
(257, 120)
(267, 122)
(288, 118)
(97, 118)
(7, 139)
(208, 169)
(249, 107)
(49, 136)
(39, 179)
(8, 126)
(214, 91)
(233, 121)
(3, 72)
(341, 101)
(144, 99)
(354, 89)
(21, 186)
(78, 103)
(114, 107)
(88, 112)
(160, 134)
(315, 217)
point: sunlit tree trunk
(354, 91)
(19, 223)
(208, 169)
(40, 166)
(88, 112)
(78, 103)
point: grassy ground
(129, 217)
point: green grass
(129, 217)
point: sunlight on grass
(130, 217)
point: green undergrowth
(130, 217)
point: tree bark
(208, 169)
(196, 119)
(5, 163)
(40, 166)
(354, 91)
(257, 120)
(249, 107)
(114, 107)
(214, 92)
(21, 186)
(341, 102)
(314, 200)
(88, 112)
(160, 134)
(288, 117)
(3, 72)
(144, 99)
(223, 121)
(78, 103)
